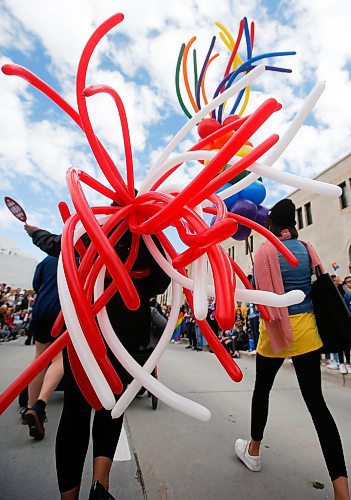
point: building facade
(322, 220)
(16, 268)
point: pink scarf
(268, 277)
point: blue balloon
(255, 192)
(231, 199)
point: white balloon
(135, 386)
(200, 287)
(277, 150)
(169, 397)
(80, 344)
(258, 169)
(255, 296)
(200, 282)
(270, 298)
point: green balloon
(238, 177)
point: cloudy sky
(38, 143)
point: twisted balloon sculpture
(81, 289)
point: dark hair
(346, 278)
(276, 229)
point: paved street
(164, 455)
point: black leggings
(73, 433)
(307, 368)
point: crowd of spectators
(16, 306)
(15, 311)
(244, 335)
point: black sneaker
(22, 413)
(35, 418)
(141, 392)
(98, 492)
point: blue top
(297, 278)
(347, 299)
(47, 304)
(253, 311)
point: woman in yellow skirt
(292, 333)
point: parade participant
(291, 332)
(44, 313)
(133, 328)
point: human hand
(30, 229)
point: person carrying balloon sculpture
(291, 332)
(133, 328)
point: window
(308, 214)
(299, 218)
(249, 245)
(344, 198)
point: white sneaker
(348, 368)
(253, 352)
(343, 368)
(241, 449)
(333, 365)
(172, 341)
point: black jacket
(132, 327)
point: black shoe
(188, 347)
(35, 417)
(22, 413)
(98, 492)
(141, 392)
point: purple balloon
(246, 208)
(242, 233)
(261, 215)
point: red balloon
(207, 126)
(166, 215)
(32, 371)
(231, 119)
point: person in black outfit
(133, 329)
(191, 334)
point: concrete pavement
(168, 456)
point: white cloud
(12, 33)
(139, 58)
